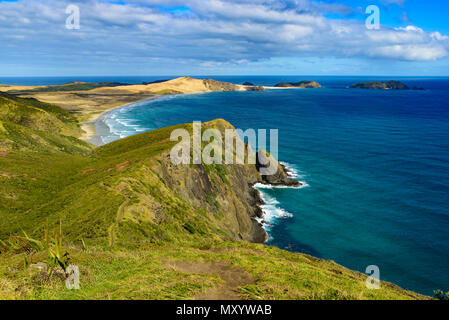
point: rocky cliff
(382, 85)
(140, 227)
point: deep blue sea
(375, 164)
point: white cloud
(211, 33)
(411, 52)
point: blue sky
(207, 37)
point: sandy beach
(92, 127)
(89, 106)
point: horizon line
(225, 75)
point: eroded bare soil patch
(233, 278)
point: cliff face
(225, 190)
(178, 85)
(28, 124)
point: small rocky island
(383, 85)
(252, 87)
(301, 84)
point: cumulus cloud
(206, 33)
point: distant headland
(383, 85)
(126, 206)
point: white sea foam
(271, 186)
(120, 126)
(292, 171)
(272, 212)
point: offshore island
(138, 226)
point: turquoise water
(376, 164)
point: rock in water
(301, 84)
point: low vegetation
(301, 84)
(71, 86)
(385, 85)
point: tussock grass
(145, 273)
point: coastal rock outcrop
(301, 84)
(226, 190)
(281, 177)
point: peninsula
(383, 85)
(300, 85)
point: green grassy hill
(31, 125)
(71, 86)
(141, 228)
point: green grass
(167, 92)
(40, 185)
(72, 86)
(147, 273)
(31, 125)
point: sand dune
(88, 105)
(178, 85)
(5, 88)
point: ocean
(375, 166)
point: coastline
(90, 127)
(268, 211)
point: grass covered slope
(141, 228)
(71, 86)
(87, 101)
(128, 193)
(31, 125)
